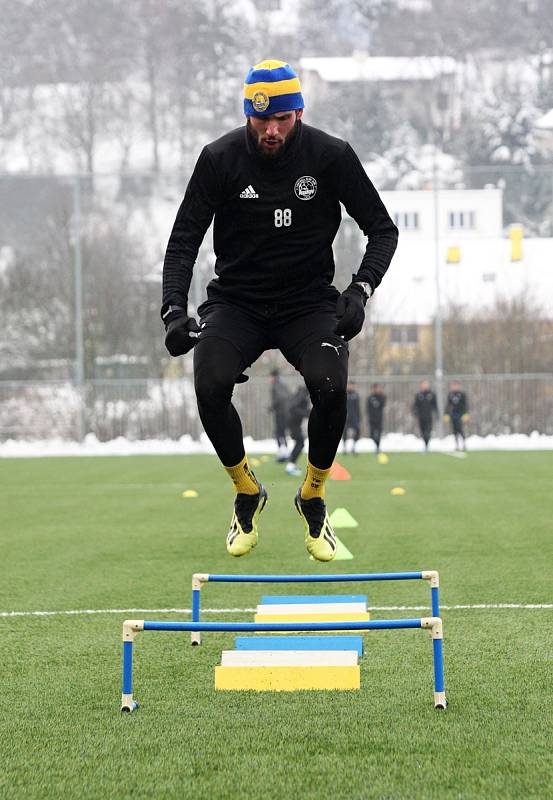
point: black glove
(350, 310)
(182, 332)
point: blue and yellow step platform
(295, 663)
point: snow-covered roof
(485, 274)
(380, 68)
(545, 123)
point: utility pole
(78, 281)
(438, 325)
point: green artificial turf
(116, 533)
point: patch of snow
(391, 443)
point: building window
(395, 334)
(461, 220)
(407, 220)
(404, 334)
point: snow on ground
(391, 443)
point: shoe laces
(314, 511)
(244, 507)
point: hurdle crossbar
(132, 627)
(200, 578)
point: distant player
(298, 410)
(280, 401)
(375, 413)
(274, 189)
(425, 408)
(456, 412)
(353, 417)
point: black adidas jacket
(275, 221)
(425, 405)
(457, 404)
(375, 407)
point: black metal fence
(166, 409)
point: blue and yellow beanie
(271, 87)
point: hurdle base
(439, 700)
(128, 705)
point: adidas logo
(249, 192)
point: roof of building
(362, 67)
(545, 122)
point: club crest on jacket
(305, 187)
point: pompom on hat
(271, 87)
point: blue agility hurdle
(132, 627)
(433, 624)
(200, 578)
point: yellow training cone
(255, 462)
(382, 458)
(190, 493)
(397, 490)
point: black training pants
(217, 364)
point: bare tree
(513, 336)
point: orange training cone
(339, 473)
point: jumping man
(274, 189)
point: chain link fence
(166, 409)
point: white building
(462, 213)
(484, 275)
(468, 251)
(543, 132)
(280, 16)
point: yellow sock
(314, 483)
(243, 478)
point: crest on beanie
(260, 101)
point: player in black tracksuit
(375, 413)
(280, 402)
(353, 417)
(297, 412)
(273, 189)
(456, 411)
(425, 407)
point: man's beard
(270, 155)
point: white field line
(89, 612)
(455, 455)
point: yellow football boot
(319, 536)
(242, 536)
